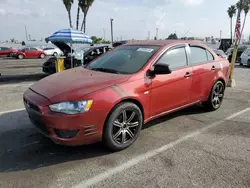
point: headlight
(72, 107)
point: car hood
(63, 47)
(75, 83)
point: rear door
(171, 91)
(203, 69)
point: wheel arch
(132, 100)
(23, 54)
(222, 80)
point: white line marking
(32, 143)
(102, 176)
(16, 85)
(10, 111)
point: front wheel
(216, 97)
(55, 54)
(123, 126)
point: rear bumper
(70, 130)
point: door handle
(187, 75)
(213, 68)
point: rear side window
(4, 48)
(175, 58)
(199, 55)
(210, 57)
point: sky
(133, 19)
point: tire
(55, 54)
(20, 56)
(120, 133)
(215, 97)
(42, 56)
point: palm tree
(231, 12)
(245, 7)
(85, 8)
(239, 5)
(80, 2)
(68, 4)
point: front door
(171, 91)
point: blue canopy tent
(70, 36)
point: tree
(231, 12)
(172, 36)
(68, 4)
(85, 4)
(245, 7)
(239, 5)
(99, 40)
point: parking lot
(190, 148)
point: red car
(5, 51)
(111, 98)
(30, 52)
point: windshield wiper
(106, 70)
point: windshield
(124, 59)
(230, 50)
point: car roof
(163, 42)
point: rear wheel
(55, 54)
(216, 96)
(42, 56)
(20, 56)
(123, 126)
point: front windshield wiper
(105, 70)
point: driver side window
(175, 58)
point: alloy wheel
(217, 95)
(125, 126)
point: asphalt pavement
(12, 66)
(189, 148)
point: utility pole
(157, 33)
(26, 34)
(148, 35)
(104, 34)
(220, 34)
(111, 25)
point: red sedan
(30, 52)
(5, 51)
(110, 99)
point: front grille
(38, 122)
(35, 117)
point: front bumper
(71, 130)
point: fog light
(66, 133)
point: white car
(245, 57)
(53, 51)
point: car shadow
(242, 67)
(22, 147)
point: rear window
(48, 49)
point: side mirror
(159, 69)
